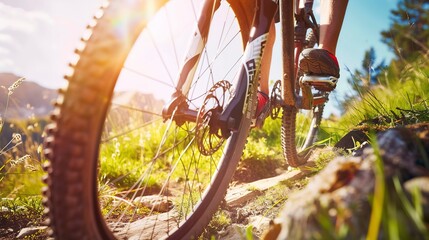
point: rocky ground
(380, 191)
(332, 202)
(21, 227)
(251, 206)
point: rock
(25, 232)
(338, 186)
(238, 196)
(133, 231)
(259, 224)
(337, 202)
(235, 232)
(350, 140)
(421, 184)
(155, 202)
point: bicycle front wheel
(118, 169)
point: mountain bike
(147, 135)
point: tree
(408, 35)
(366, 77)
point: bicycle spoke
(171, 85)
(172, 38)
(172, 80)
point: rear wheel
(118, 169)
(299, 133)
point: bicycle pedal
(319, 100)
(322, 83)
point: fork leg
(287, 38)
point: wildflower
(20, 160)
(141, 141)
(24, 158)
(15, 85)
(40, 149)
(16, 138)
(31, 168)
(117, 149)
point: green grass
(322, 158)
(273, 199)
(220, 221)
(125, 159)
(20, 212)
(21, 182)
(402, 99)
(394, 212)
(20, 195)
(123, 162)
(20, 171)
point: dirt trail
(256, 203)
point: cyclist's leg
(247, 8)
(265, 66)
(331, 20)
(263, 106)
(322, 61)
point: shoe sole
(314, 63)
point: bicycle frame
(247, 82)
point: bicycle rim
(117, 169)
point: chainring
(276, 99)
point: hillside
(28, 100)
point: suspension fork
(286, 8)
(178, 102)
(293, 38)
(196, 46)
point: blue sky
(364, 21)
(37, 38)
(361, 30)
